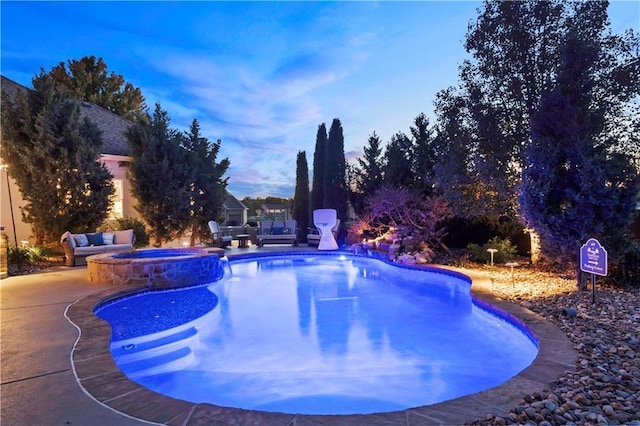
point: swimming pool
(319, 334)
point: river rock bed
(604, 388)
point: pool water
(317, 335)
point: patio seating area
(277, 232)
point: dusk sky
(261, 76)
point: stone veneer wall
(199, 267)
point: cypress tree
(301, 197)
(319, 156)
(335, 191)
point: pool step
(167, 362)
(141, 357)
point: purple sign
(593, 258)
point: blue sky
(261, 76)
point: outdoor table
(243, 240)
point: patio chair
(325, 220)
(217, 236)
(313, 237)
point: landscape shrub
(22, 257)
(506, 251)
(18, 256)
(626, 271)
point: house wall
(14, 202)
(7, 205)
(119, 172)
(235, 217)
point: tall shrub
(53, 155)
(335, 191)
(319, 160)
(159, 176)
(301, 197)
(208, 186)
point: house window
(116, 200)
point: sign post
(593, 259)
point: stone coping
(97, 373)
(155, 268)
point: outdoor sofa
(78, 246)
(277, 232)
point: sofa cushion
(81, 240)
(107, 238)
(95, 239)
(123, 237)
(86, 251)
(118, 247)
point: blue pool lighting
(318, 334)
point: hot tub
(156, 268)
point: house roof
(113, 128)
(11, 87)
(232, 203)
(111, 125)
(274, 206)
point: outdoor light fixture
(492, 250)
(512, 265)
(13, 221)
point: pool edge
(98, 374)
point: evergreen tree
(301, 197)
(319, 157)
(208, 187)
(424, 155)
(335, 191)
(399, 162)
(515, 54)
(369, 171)
(572, 188)
(88, 80)
(515, 48)
(159, 176)
(454, 165)
(53, 155)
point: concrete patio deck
(39, 385)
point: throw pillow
(266, 231)
(107, 238)
(277, 231)
(123, 237)
(81, 240)
(286, 231)
(95, 239)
